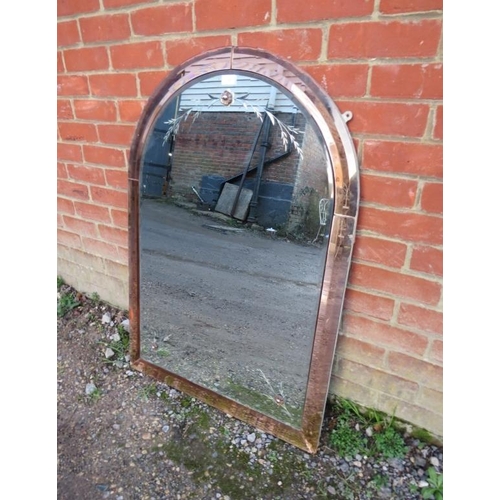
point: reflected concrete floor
(231, 310)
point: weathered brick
(68, 238)
(417, 370)
(113, 234)
(149, 80)
(384, 39)
(436, 351)
(120, 218)
(117, 178)
(71, 152)
(105, 28)
(431, 399)
(369, 304)
(116, 134)
(421, 81)
(169, 18)
(432, 197)
(86, 59)
(113, 85)
(407, 226)
(112, 4)
(421, 318)
(181, 50)
(388, 118)
(137, 55)
(395, 283)
(80, 226)
(92, 212)
(359, 351)
(110, 197)
(62, 172)
(72, 85)
(229, 14)
(380, 251)
(65, 206)
(72, 131)
(403, 157)
(437, 132)
(91, 175)
(398, 7)
(384, 335)
(70, 7)
(100, 248)
(110, 157)
(60, 62)
(388, 191)
(297, 44)
(130, 111)
(95, 110)
(67, 33)
(64, 110)
(427, 259)
(341, 80)
(319, 10)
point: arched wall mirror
(244, 194)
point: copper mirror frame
(344, 179)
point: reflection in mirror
(234, 221)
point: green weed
(65, 303)
(435, 488)
(148, 391)
(60, 283)
(389, 443)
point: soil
(122, 436)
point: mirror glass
(234, 222)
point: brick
(406, 226)
(72, 85)
(359, 351)
(137, 55)
(371, 377)
(379, 251)
(113, 85)
(72, 131)
(384, 39)
(427, 260)
(421, 81)
(110, 157)
(319, 10)
(421, 318)
(117, 179)
(60, 62)
(165, 19)
(86, 59)
(86, 174)
(431, 399)
(130, 111)
(437, 132)
(120, 218)
(100, 248)
(350, 390)
(113, 234)
(432, 197)
(70, 7)
(398, 7)
(92, 212)
(123, 253)
(341, 80)
(368, 304)
(388, 191)
(95, 110)
(72, 152)
(79, 226)
(181, 50)
(395, 283)
(389, 118)
(149, 80)
(418, 370)
(105, 28)
(297, 44)
(403, 157)
(110, 197)
(436, 351)
(67, 33)
(116, 134)
(65, 206)
(64, 111)
(62, 172)
(384, 335)
(229, 14)
(69, 239)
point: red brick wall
(380, 59)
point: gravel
(122, 435)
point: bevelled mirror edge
(344, 171)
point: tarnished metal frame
(344, 186)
